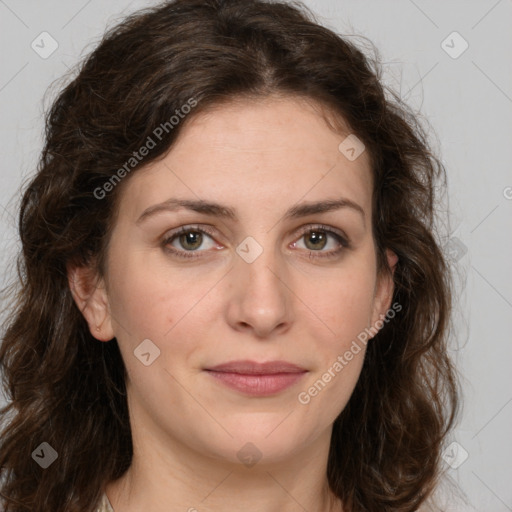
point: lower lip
(258, 385)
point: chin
(262, 446)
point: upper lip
(247, 367)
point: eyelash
(344, 243)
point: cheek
(140, 305)
(147, 301)
(345, 305)
(173, 311)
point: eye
(317, 238)
(189, 239)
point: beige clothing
(104, 505)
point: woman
(231, 292)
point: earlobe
(384, 289)
(392, 260)
(90, 296)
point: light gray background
(468, 102)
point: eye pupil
(315, 240)
(194, 237)
(316, 237)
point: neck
(187, 480)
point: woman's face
(266, 283)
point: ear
(384, 290)
(90, 295)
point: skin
(259, 158)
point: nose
(260, 300)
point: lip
(248, 367)
(257, 379)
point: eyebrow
(226, 212)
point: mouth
(257, 379)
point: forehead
(251, 151)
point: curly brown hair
(68, 390)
